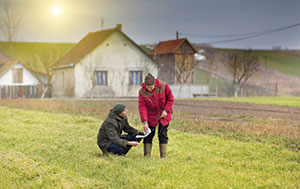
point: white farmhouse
(18, 81)
(105, 63)
(13, 73)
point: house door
(20, 95)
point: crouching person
(109, 137)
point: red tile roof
(170, 46)
(165, 47)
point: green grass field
(276, 101)
(280, 61)
(58, 150)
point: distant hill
(27, 51)
(284, 61)
(146, 48)
(282, 69)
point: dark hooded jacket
(111, 130)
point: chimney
(119, 27)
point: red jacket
(152, 104)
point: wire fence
(223, 87)
(226, 89)
(29, 91)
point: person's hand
(163, 114)
(133, 143)
(140, 133)
(145, 127)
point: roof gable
(9, 64)
(91, 41)
(170, 46)
(5, 67)
(83, 47)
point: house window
(101, 77)
(17, 74)
(135, 77)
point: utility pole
(266, 76)
(102, 23)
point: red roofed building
(176, 61)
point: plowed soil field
(218, 109)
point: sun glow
(56, 10)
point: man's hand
(145, 127)
(133, 143)
(163, 114)
(140, 133)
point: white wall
(63, 83)
(117, 56)
(28, 78)
(187, 91)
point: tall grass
(58, 150)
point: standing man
(155, 107)
(109, 137)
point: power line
(217, 36)
(245, 35)
(242, 34)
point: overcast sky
(151, 21)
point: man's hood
(113, 115)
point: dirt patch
(191, 108)
(219, 108)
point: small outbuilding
(176, 61)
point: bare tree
(185, 67)
(42, 65)
(9, 23)
(121, 75)
(143, 64)
(242, 65)
(209, 64)
(93, 64)
(89, 69)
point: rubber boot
(147, 149)
(163, 150)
